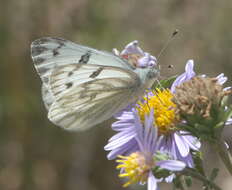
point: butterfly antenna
(167, 43)
(162, 51)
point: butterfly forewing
(49, 53)
(47, 96)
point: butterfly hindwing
(68, 77)
(90, 94)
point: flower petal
(126, 116)
(172, 165)
(227, 88)
(124, 138)
(132, 48)
(229, 121)
(188, 74)
(151, 182)
(189, 68)
(123, 135)
(125, 149)
(170, 178)
(221, 78)
(147, 60)
(193, 142)
(188, 160)
(182, 145)
(122, 126)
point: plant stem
(220, 148)
(193, 173)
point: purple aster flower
(136, 56)
(139, 166)
(175, 143)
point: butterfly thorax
(148, 75)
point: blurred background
(35, 154)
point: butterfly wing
(83, 86)
(49, 53)
(47, 96)
(86, 95)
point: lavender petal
(170, 178)
(181, 145)
(119, 142)
(188, 74)
(151, 182)
(229, 121)
(132, 48)
(172, 165)
(221, 78)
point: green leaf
(228, 113)
(219, 125)
(214, 174)
(197, 158)
(224, 101)
(177, 182)
(161, 156)
(159, 172)
(188, 181)
(166, 83)
(203, 129)
(190, 129)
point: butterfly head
(149, 64)
(154, 71)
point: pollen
(135, 167)
(161, 102)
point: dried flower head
(198, 96)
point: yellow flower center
(135, 167)
(161, 102)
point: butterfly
(82, 86)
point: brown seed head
(198, 95)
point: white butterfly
(82, 86)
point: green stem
(220, 148)
(193, 173)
